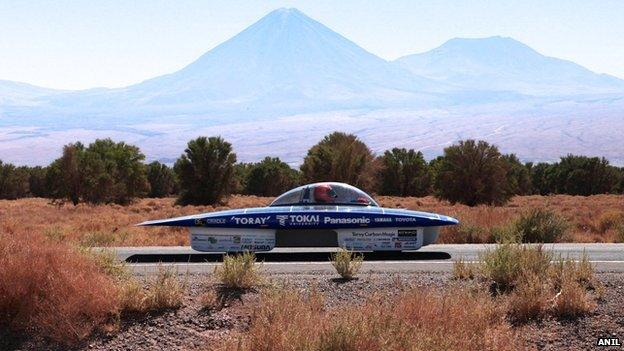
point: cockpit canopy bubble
(327, 193)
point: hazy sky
(76, 44)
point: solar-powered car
(325, 214)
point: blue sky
(77, 44)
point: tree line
(470, 172)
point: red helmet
(324, 193)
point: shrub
(530, 299)
(347, 263)
(239, 271)
(404, 173)
(415, 320)
(98, 238)
(206, 171)
(507, 262)
(132, 297)
(165, 290)
(610, 219)
(161, 180)
(582, 175)
(340, 157)
(47, 289)
(518, 175)
(270, 177)
(572, 300)
(536, 285)
(540, 226)
(464, 270)
(14, 181)
(619, 233)
(472, 173)
(104, 172)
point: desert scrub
(347, 263)
(530, 299)
(610, 219)
(534, 284)
(165, 290)
(239, 271)
(504, 264)
(417, 319)
(539, 225)
(464, 270)
(48, 289)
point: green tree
(241, 175)
(270, 177)
(206, 171)
(518, 175)
(112, 172)
(340, 157)
(37, 181)
(104, 172)
(542, 178)
(472, 173)
(403, 173)
(13, 181)
(161, 179)
(582, 175)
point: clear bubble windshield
(325, 194)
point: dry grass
(239, 271)
(464, 270)
(347, 263)
(163, 291)
(416, 320)
(534, 284)
(113, 225)
(48, 289)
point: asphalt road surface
(432, 258)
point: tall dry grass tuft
(416, 320)
(530, 299)
(239, 271)
(347, 263)
(509, 261)
(48, 289)
(534, 284)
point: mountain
(284, 63)
(498, 63)
(21, 93)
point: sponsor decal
(382, 219)
(405, 219)
(281, 219)
(214, 220)
(212, 240)
(373, 234)
(236, 239)
(199, 222)
(298, 219)
(409, 232)
(348, 220)
(256, 247)
(251, 220)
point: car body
(327, 214)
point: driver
(323, 193)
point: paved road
(432, 258)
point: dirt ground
(192, 327)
